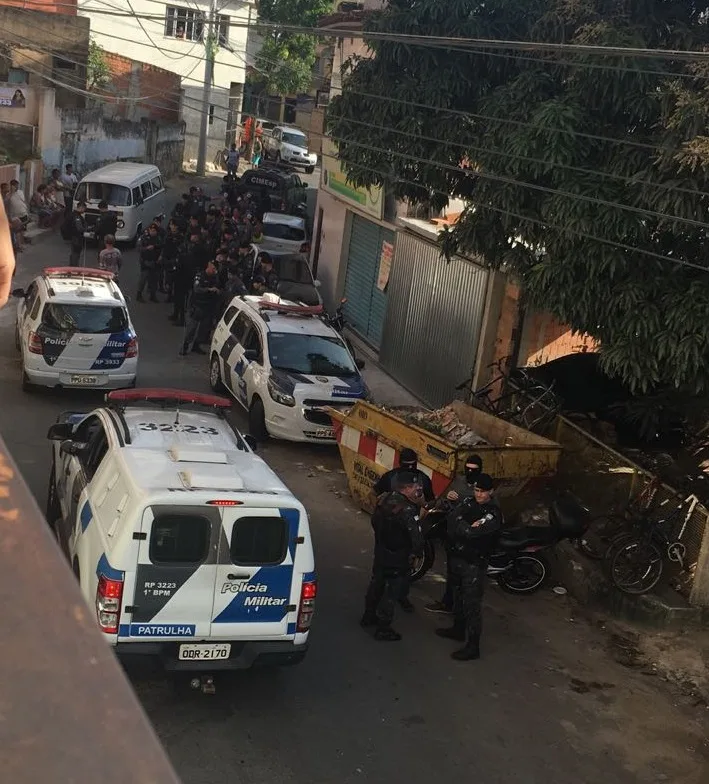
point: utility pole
(210, 46)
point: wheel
(636, 567)
(526, 575)
(53, 508)
(215, 374)
(309, 169)
(424, 562)
(601, 532)
(257, 420)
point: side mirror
(60, 431)
(251, 355)
(19, 293)
(317, 284)
(360, 364)
(251, 442)
(70, 447)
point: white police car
(285, 365)
(73, 330)
(186, 545)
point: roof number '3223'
(166, 427)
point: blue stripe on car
(86, 516)
(113, 353)
(104, 568)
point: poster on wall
(12, 97)
(385, 259)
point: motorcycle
(517, 563)
(336, 320)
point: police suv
(186, 545)
(285, 365)
(73, 330)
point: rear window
(292, 268)
(114, 195)
(259, 540)
(281, 231)
(179, 538)
(88, 319)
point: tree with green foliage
(285, 61)
(586, 173)
(97, 71)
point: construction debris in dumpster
(444, 422)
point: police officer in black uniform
(397, 537)
(473, 533)
(202, 306)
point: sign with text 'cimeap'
(334, 180)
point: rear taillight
(109, 594)
(307, 605)
(305, 247)
(132, 349)
(35, 344)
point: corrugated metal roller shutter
(433, 321)
(365, 309)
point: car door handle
(240, 576)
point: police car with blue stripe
(73, 330)
(285, 365)
(185, 543)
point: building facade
(171, 36)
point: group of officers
(473, 522)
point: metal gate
(366, 303)
(433, 321)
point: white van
(186, 545)
(134, 191)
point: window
(179, 537)
(223, 29)
(211, 114)
(88, 319)
(253, 342)
(240, 327)
(64, 65)
(91, 458)
(137, 197)
(183, 23)
(259, 541)
(296, 139)
(31, 298)
(283, 231)
(35, 308)
(293, 268)
(311, 355)
(87, 430)
(17, 76)
(156, 182)
(230, 313)
(146, 190)
(114, 195)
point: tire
(309, 169)
(602, 531)
(424, 563)
(636, 566)
(53, 508)
(527, 574)
(257, 420)
(215, 374)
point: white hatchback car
(285, 365)
(73, 330)
(284, 233)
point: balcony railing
(67, 711)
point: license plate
(204, 652)
(83, 380)
(325, 432)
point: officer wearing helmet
(390, 481)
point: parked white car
(73, 330)
(285, 233)
(289, 145)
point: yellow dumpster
(371, 438)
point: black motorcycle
(517, 563)
(337, 321)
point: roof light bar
(76, 272)
(160, 395)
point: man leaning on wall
(7, 257)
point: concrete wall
(331, 245)
(192, 115)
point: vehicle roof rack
(76, 272)
(166, 396)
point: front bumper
(302, 423)
(243, 656)
(298, 160)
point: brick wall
(133, 79)
(66, 7)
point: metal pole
(206, 91)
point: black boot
(184, 350)
(367, 620)
(406, 605)
(468, 652)
(452, 633)
(386, 634)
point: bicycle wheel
(636, 567)
(601, 532)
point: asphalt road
(547, 704)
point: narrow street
(547, 704)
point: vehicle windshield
(294, 268)
(282, 231)
(298, 139)
(113, 195)
(311, 355)
(87, 319)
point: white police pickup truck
(186, 545)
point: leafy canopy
(285, 61)
(97, 71)
(554, 144)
